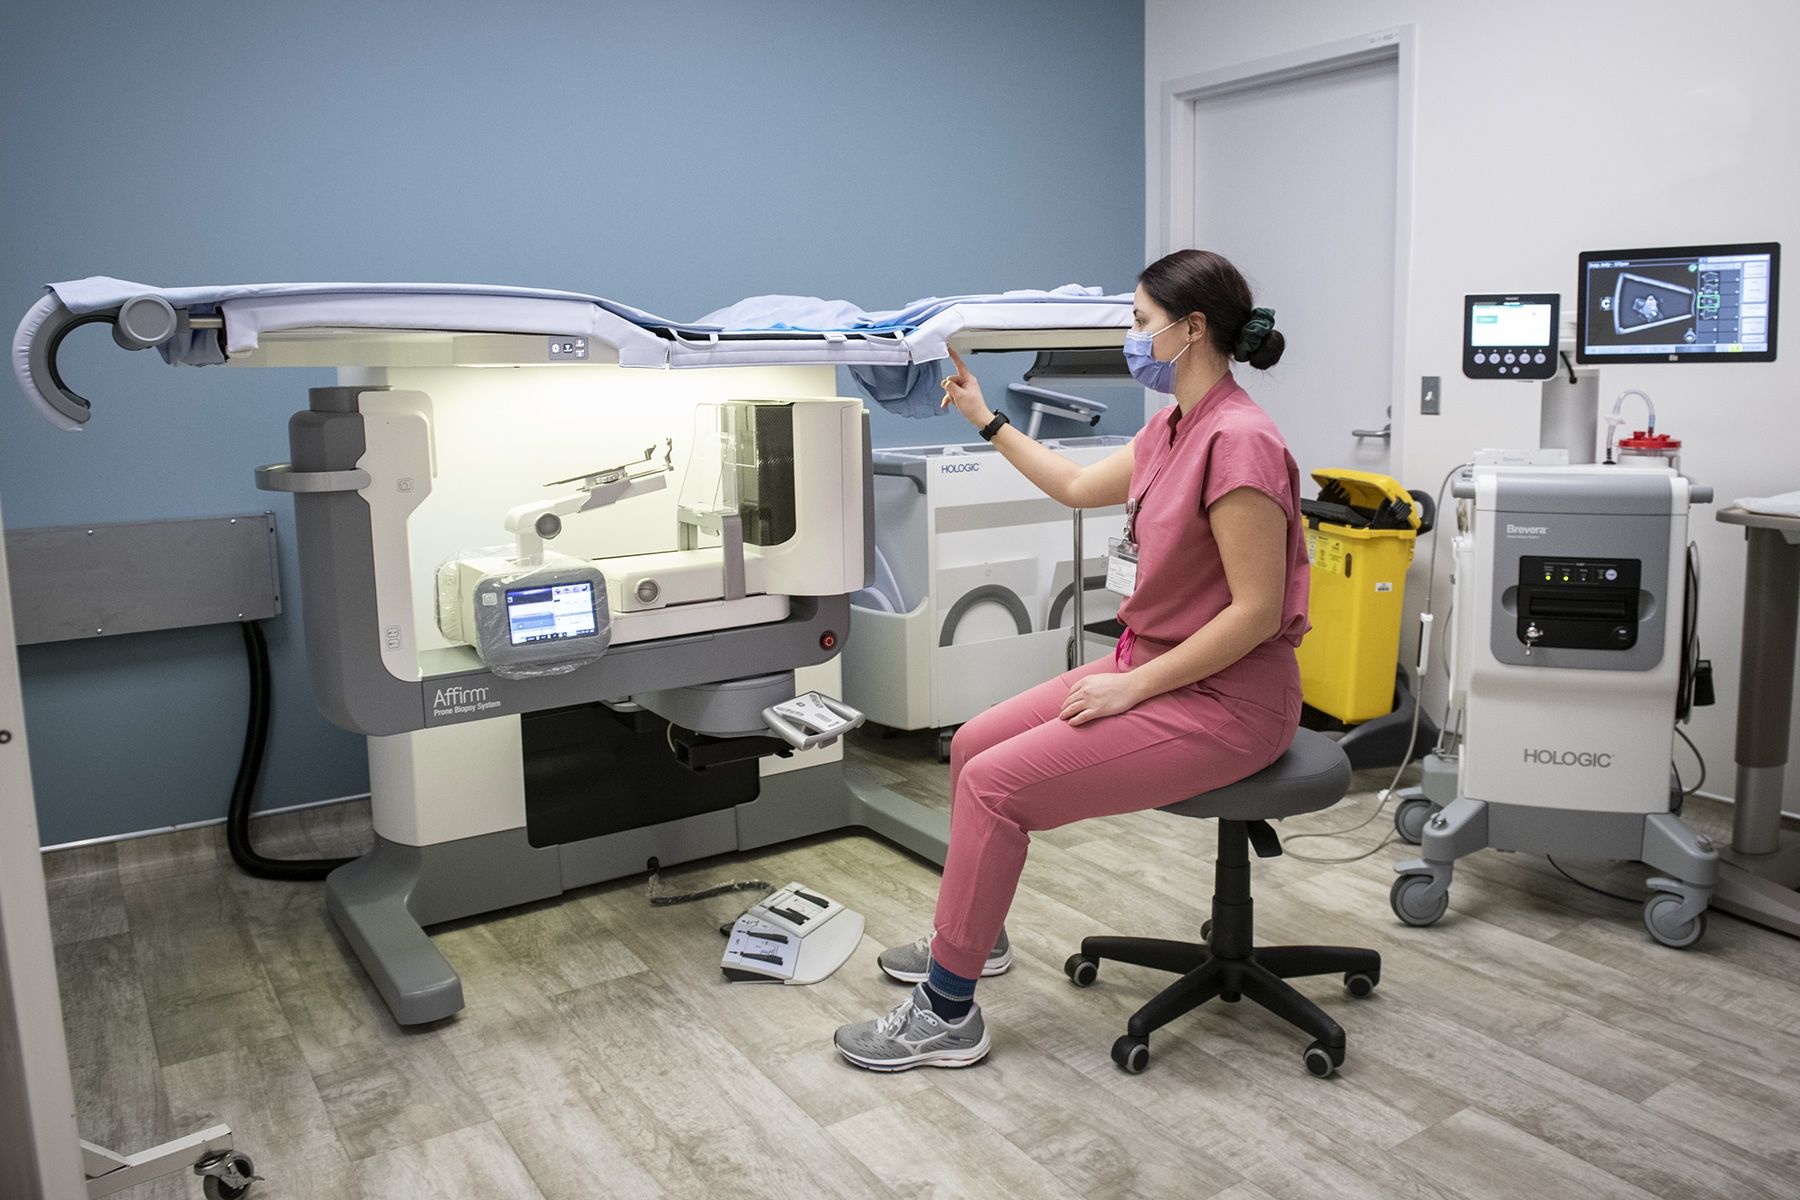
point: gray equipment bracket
(79, 582)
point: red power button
(828, 641)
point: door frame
(40, 1146)
(1171, 223)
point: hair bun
(1269, 353)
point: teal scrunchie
(1250, 338)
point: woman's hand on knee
(1099, 696)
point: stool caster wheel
(1362, 983)
(1206, 930)
(226, 1176)
(1322, 1060)
(1082, 970)
(1408, 900)
(1132, 1054)
(1410, 817)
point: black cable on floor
(662, 899)
(1590, 887)
(243, 791)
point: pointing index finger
(962, 368)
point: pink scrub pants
(1017, 768)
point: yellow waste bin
(1359, 536)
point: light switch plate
(1430, 395)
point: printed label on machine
(1121, 566)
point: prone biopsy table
(1761, 869)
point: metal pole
(1765, 689)
(1078, 645)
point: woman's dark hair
(1199, 281)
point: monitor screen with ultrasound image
(1679, 304)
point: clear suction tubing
(1645, 447)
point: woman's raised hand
(964, 391)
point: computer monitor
(1510, 336)
(1678, 304)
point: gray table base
(1758, 875)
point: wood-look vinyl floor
(1534, 1044)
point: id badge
(1121, 566)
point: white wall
(1541, 129)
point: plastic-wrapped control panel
(525, 619)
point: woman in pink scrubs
(1203, 689)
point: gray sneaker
(912, 962)
(914, 1036)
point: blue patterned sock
(951, 996)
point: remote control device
(811, 719)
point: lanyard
(1133, 507)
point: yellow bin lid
(1368, 490)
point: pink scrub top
(1181, 466)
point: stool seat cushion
(1313, 774)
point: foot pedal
(811, 720)
(793, 935)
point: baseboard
(255, 815)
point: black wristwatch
(992, 428)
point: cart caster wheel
(1679, 935)
(1206, 931)
(1323, 1060)
(1410, 818)
(1407, 898)
(1362, 983)
(943, 744)
(1132, 1054)
(1082, 970)
(236, 1175)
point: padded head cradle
(1313, 774)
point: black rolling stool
(1313, 774)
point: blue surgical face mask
(1146, 368)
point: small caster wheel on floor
(1323, 1060)
(1362, 983)
(1082, 970)
(1132, 1054)
(1659, 912)
(226, 1176)
(1411, 904)
(943, 744)
(1410, 818)
(1206, 930)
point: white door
(1294, 180)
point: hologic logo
(1568, 758)
(960, 468)
(1527, 530)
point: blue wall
(674, 156)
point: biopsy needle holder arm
(534, 523)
